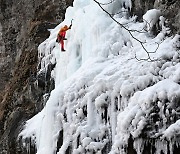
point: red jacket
(62, 32)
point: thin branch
(119, 12)
(143, 30)
(129, 31)
(147, 23)
(156, 48)
(106, 3)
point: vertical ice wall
(91, 35)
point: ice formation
(151, 18)
(103, 95)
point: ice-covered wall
(105, 100)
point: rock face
(23, 26)
(169, 9)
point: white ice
(102, 92)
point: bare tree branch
(106, 3)
(119, 12)
(129, 31)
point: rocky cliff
(169, 8)
(23, 26)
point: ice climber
(61, 36)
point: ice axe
(71, 23)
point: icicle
(119, 103)
(90, 112)
(113, 120)
(139, 145)
(161, 146)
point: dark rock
(169, 8)
(23, 26)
